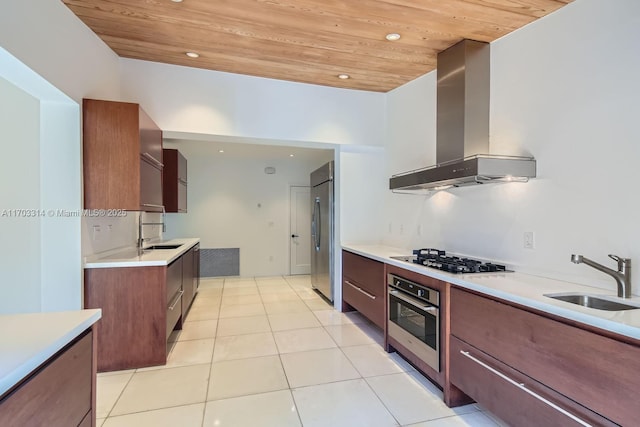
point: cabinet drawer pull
(522, 387)
(360, 289)
(153, 160)
(177, 300)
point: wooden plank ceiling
(309, 41)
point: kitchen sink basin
(162, 247)
(593, 301)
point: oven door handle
(413, 301)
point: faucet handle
(622, 262)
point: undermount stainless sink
(162, 247)
(593, 301)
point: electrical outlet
(419, 230)
(401, 228)
(96, 233)
(390, 227)
(529, 240)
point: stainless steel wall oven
(414, 318)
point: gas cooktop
(436, 258)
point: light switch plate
(529, 240)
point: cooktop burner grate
(437, 258)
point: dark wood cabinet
(150, 187)
(190, 277)
(196, 268)
(174, 176)
(175, 295)
(134, 305)
(187, 280)
(141, 306)
(363, 287)
(506, 357)
(61, 392)
(122, 157)
(174, 278)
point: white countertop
(28, 340)
(522, 289)
(128, 257)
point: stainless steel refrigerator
(322, 230)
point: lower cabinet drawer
(174, 311)
(174, 278)
(366, 272)
(577, 363)
(515, 398)
(369, 305)
(57, 394)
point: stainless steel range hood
(462, 128)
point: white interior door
(300, 230)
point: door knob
(294, 235)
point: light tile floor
(270, 352)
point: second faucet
(622, 276)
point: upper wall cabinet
(122, 157)
(174, 181)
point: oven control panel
(425, 293)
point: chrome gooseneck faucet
(140, 243)
(622, 276)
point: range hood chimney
(462, 127)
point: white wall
(232, 203)
(47, 53)
(182, 99)
(565, 89)
(41, 253)
(19, 189)
(111, 233)
(363, 183)
(47, 37)
(206, 104)
(411, 139)
(60, 189)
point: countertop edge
(172, 255)
(32, 363)
(465, 281)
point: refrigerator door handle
(317, 230)
(313, 223)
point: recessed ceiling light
(177, 1)
(290, 155)
(343, 76)
(392, 37)
(220, 151)
(192, 54)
